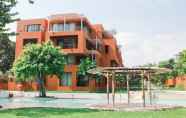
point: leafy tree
(38, 61)
(120, 78)
(6, 16)
(162, 77)
(167, 64)
(181, 63)
(85, 65)
(7, 53)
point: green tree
(180, 66)
(85, 65)
(6, 15)
(7, 53)
(160, 79)
(37, 62)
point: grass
(86, 113)
(176, 88)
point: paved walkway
(87, 100)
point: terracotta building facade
(78, 39)
(179, 81)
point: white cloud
(142, 48)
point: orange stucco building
(77, 38)
(177, 81)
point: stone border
(139, 108)
(125, 109)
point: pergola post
(149, 88)
(143, 90)
(128, 89)
(113, 88)
(107, 76)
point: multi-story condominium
(77, 38)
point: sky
(148, 31)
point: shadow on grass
(44, 112)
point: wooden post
(150, 90)
(113, 88)
(128, 89)
(107, 87)
(143, 91)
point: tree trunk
(42, 90)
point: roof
(67, 15)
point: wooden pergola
(144, 72)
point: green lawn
(85, 113)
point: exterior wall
(27, 86)
(180, 80)
(97, 32)
(3, 85)
(11, 85)
(79, 34)
(170, 82)
(22, 34)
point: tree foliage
(38, 61)
(7, 53)
(85, 65)
(160, 79)
(6, 15)
(181, 63)
(177, 67)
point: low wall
(26, 86)
(180, 80)
(4, 85)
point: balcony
(93, 46)
(69, 27)
(66, 42)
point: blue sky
(147, 30)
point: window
(90, 45)
(66, 79)
(34, 28)
(66, 42)
(82, 81)
(106, 49)
(70, 27)
(57, 27)
(29, 41)
(60, 27)
(71, 59)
